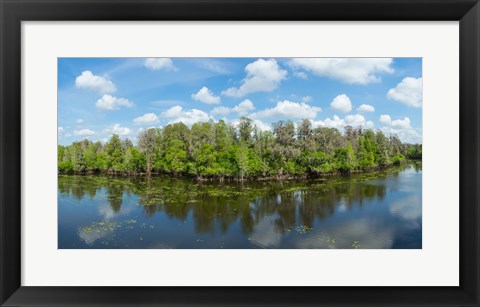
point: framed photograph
(239, 153)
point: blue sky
(101, 96)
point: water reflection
(358, 211)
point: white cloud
(256, 122)
(396, 124)
(365, 108)
(83, 132)
(176, 114)
(220, 111)
(355, 121)
(336, 122)
(348, 70)
(402, 128)
(301, 75)
(108, 102)
(87, 80)
(60, 132)
(262, 76)
(307, 99)
(342, 103)
(159, 63)
(261, 125)
(175, 111)
(117, 129)
(215, 66)
(401, 123)
(408, 135)
(385, 119)
(409, 91)
(206, 96)
(244, 107)
(79, 121)
(146, 119)
(358, 120)
(288, 109)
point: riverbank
(221, 178)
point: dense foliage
(218, 150)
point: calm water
(358, 211)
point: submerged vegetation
(218, 150)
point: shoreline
(203, 178)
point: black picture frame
(13, 12)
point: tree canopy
(218, 150)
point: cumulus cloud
(342, 103)
(401, 123)
(262, 76)
(348, 70)
(206, 96)
(355, 121)
(117, 129)
(215, 66)
(159, 64)
(108, 102)
(221, 111)
(87, 80)
(256, 122)
(307, 99)
(335, 122)
(79, 121)
(83, 132)
(397, 123)
(401, 128)
(244, 107)
(173, 112)
(146, 119)
(385, 119)
(409, 91)
(261, 125)
(60, 132)
(301, 75)
(176, 114)
(365, 108)
(358, 120)
(288, 109)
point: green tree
(115, 153)
(345, 159)
(146, 145)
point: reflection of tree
(115, 196)
(77, 186)
(215, 206)
(418, 166)
(81, 186)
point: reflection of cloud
(408, 208)
(108, 213)
(94, 233)
(365, 233)
(264, 234)
(342, 205)
(410, 181)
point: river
(380, 210)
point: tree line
(219, 150)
